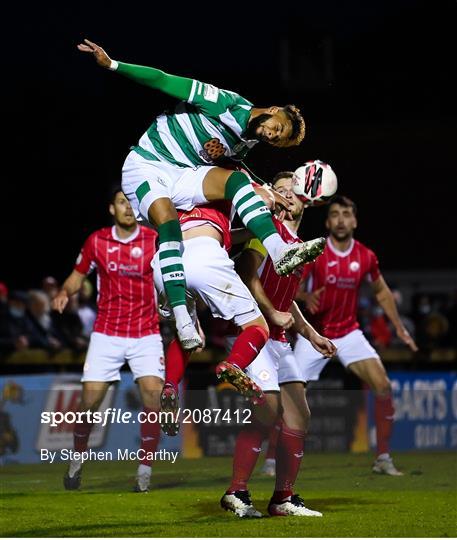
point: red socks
(247, 449)
(247, 346)
(150, 436)
(383, 414)
(289, 454)
(176, 362)
(81, 433)
(273, 440)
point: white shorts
(107, 354)
(210, 274)
(352, 347)
(274, 365)
(144, 181)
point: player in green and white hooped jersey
(174, 166)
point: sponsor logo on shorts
(264, 375)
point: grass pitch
(184, 500)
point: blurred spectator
(50, 286)
(69, 326)
(43, 333)
(379, 328)
(86, 307)
(407, 321)
(15, 327)
(3, 299)
(431, 322)
(451, 314)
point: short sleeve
(373, 269)
(85, 260)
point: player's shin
(384, 417)
(247, 449)
(289, 454)
(253, 212)
(247, 346)
(171, 266)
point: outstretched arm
(177, 87)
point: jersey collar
(337, 252)
(135, 233)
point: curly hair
(298, 124)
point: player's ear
(273, 110)
(111, 209)
(355, 223)
(327, 224)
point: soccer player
(175, 164)
(210, 275)
(336, 277)
(126, 327)
(276, 371)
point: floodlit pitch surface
(184, 500)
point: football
(314, 182)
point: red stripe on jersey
(280, 290)
(126, 299)
(342, 275)
(217, 213)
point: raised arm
(178, 87)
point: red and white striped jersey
(217, 213)
(126, 297)
(341, 273)
(280, 290)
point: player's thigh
(188, 187)
(210, 273)
(150, 388)
(357, 354)
(104, 359)
(295, 410)
(263, 370)
(310, 362)
(148, 184)
(145, 357)
(214, 183)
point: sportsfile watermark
(113, 415)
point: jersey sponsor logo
(112, 266)
(210, 93)
(113, 249)
(332, 263)
(354, 266)
(136, 252)
(331, 279)
(212, 150)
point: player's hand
(323, 345)
(284, 319)
(60, 301)
(100, 55)
(312, 300)
(405, 336)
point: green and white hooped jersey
(205, 128)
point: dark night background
(374, 80)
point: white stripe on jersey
(214, 132)
(192, 91)
(145, 142)
(184, 121)
(173, 244)
(170, 143)
(168, 261)
(229, 120)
